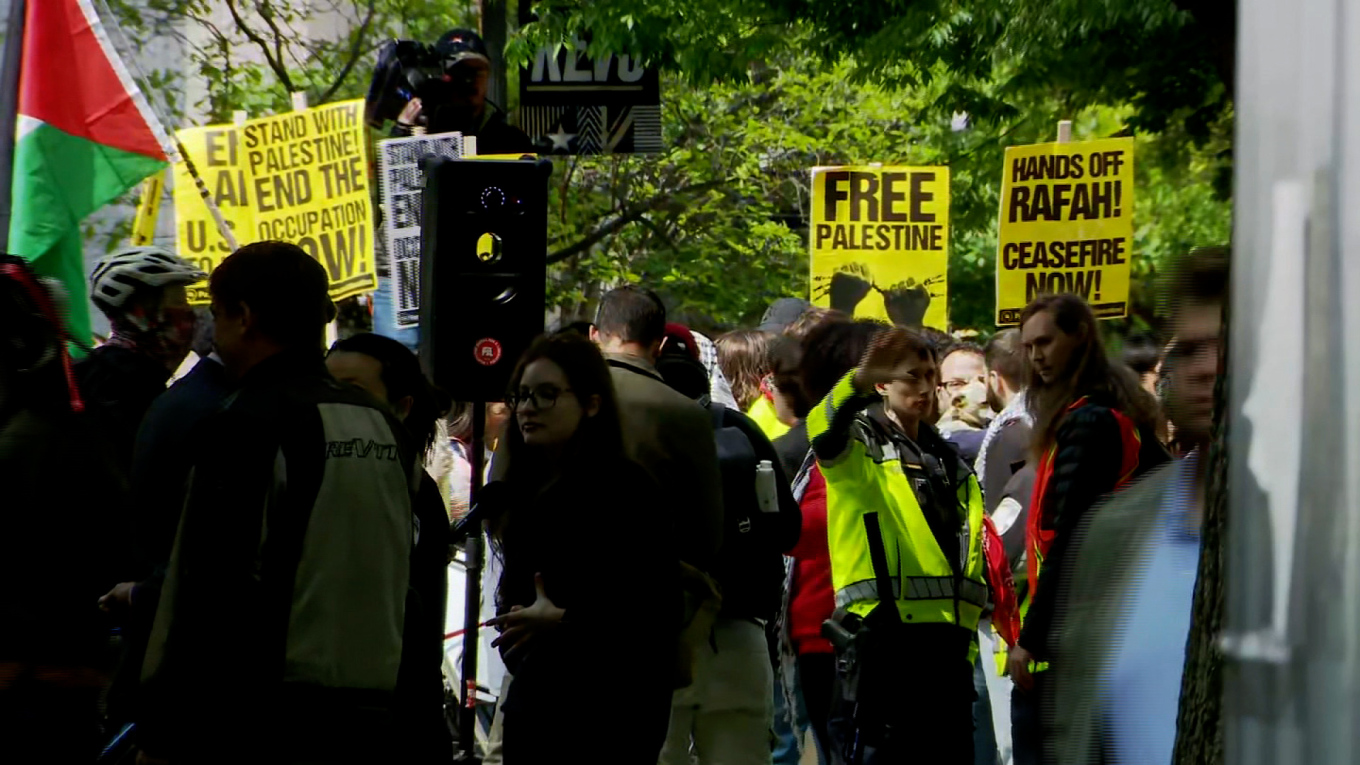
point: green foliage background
(757, 92)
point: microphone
(492, 500)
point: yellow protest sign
(880, 242)
(300, 177)
(1066, 226)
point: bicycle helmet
(118, 276)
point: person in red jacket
(811, 601)
(829, 352)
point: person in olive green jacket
(1124, 612)
(667, 433)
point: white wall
(1293, 690)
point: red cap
(681, 334)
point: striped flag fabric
(84, 135)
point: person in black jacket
(142, 292)
(391, 374)
(467, 65)
(589, 593)
(1094, 430)
(162, 456)
(61, 510)
(727, 711)
(279, 632)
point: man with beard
(142, 292)
(1006, 487)
(963, 399)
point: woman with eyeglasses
(589, 594)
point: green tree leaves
(757, 92)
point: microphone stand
(472, 602)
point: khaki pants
(494, 738)
(726, 716)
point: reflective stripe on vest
(870, 475)
(918, 588)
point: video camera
(435, 74)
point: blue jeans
(984, 735)
(1027, 722)
(384, 312)
(786, 736)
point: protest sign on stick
(1066, 226)
(879, 242)
(401, 185)
(300, 177)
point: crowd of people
(822, 537)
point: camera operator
(432, 89)
(462, 92)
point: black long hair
(599, 438)
(598, 441)
(402, 376)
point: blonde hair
(744, 355)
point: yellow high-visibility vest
(869, 476)
(762, 412)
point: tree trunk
(1199, 724)
(494, 21)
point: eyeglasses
(956, 385)
(542, 399)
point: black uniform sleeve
(1085, 467)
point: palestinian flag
(84, 135)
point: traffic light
(483, 271)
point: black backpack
(750, 565)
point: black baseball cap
(462, 45)
(782, 313)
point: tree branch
(276, 65)
(629, 215)
(566, 185)
(267, 13)
(355, 52)
(666, 239)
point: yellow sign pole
(148, 210)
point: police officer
(905, 526)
